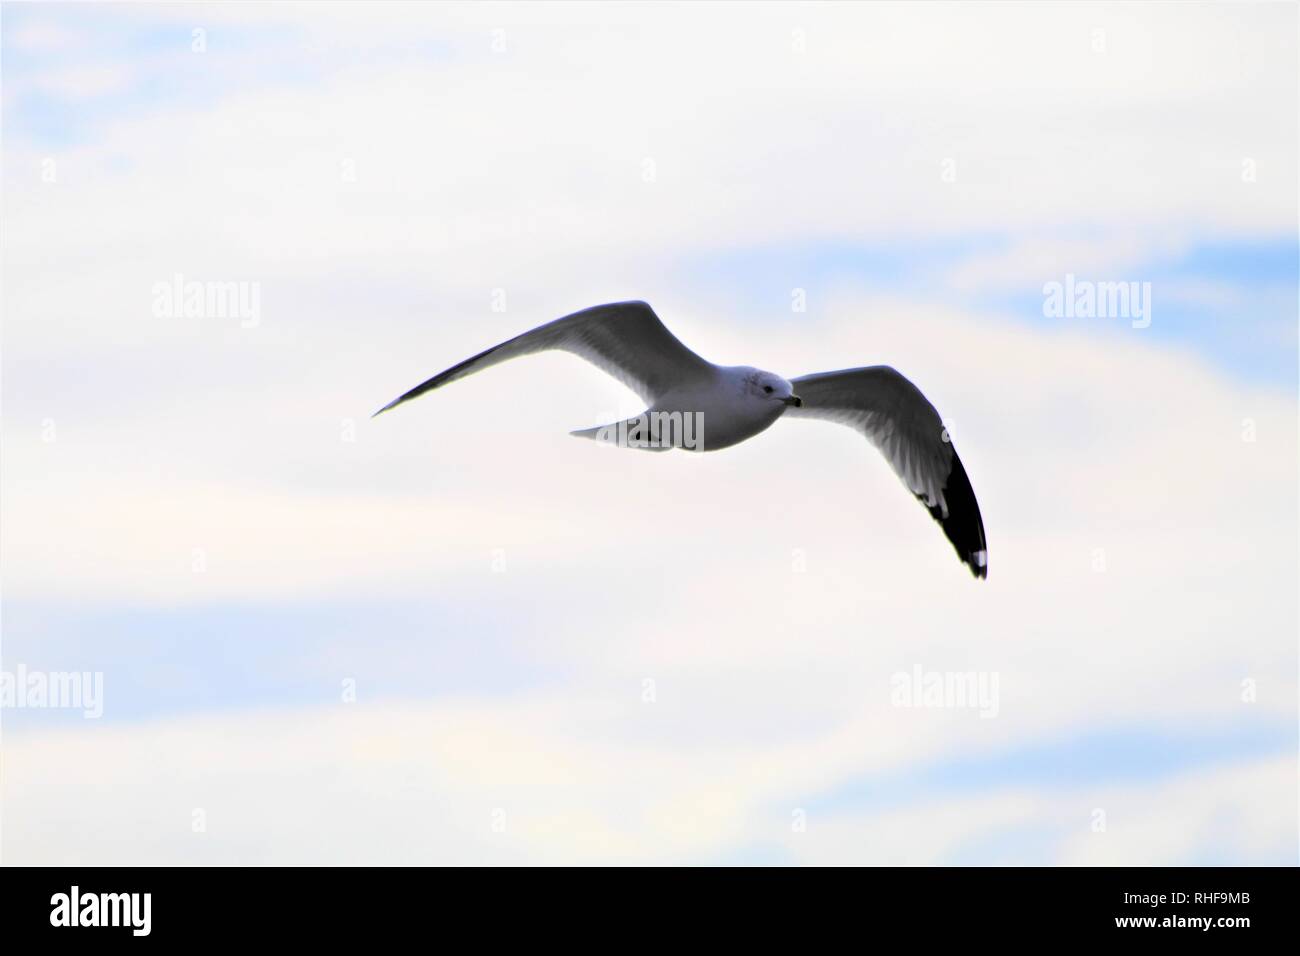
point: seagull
(695, 405)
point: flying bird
(698, 406)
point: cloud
(84, 83)
(1033, 261)
(1140, 502)
(44, 36)
(632, 569)
(1237, 813)
(536, 781)
(852, 134)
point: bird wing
(895, 417)
(625, 339)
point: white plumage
(698, 406)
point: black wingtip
(405, 397)
(963, 525)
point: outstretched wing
(624, 339)
(904, 426)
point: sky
(455, 635)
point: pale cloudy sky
(563, 653)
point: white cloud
(1033, 261)
(679, 569)
(84, 82)
(44, 36)
(845, 141)
(375, 783)
(525, 172)
(1238, 812)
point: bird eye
(768, 389)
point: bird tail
(644, 432)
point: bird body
(713, 408)
(695, 405)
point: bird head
(772, 388)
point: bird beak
(794, 400)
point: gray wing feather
(895, 417)
(624, 339)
